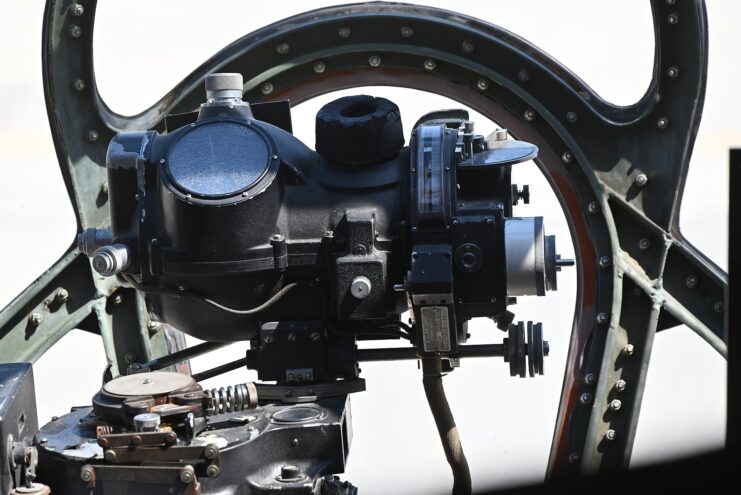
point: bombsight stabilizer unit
(236, 230)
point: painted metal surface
(618, 171)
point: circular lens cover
(218, 159)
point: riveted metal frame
(618, 171)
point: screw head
(574, 457)
(567, 157)
(86, 474)
(319, 67)
(615, 405)
(530, 115)
(78, 84)
(407, 32)
(640, 180)
(482, 84)
(572, 118)
(673, 18)
(282, 48)
(110, 455)
(211, 451)
(628, 350)
(610, 435)
(76, 9)
(468, 46)
(604, 261)
(430, 64)
(662, 123)
(187, 475)
(644, 244)
(593, 207)
(374, 60)
(74, 31)
(171, 438)
(91, 135)
(35, 319)
(590, 379)
(523, 75)
(673, 71)
(266, 88)
(213, 471)
(718, 307)
(585, 398)
(620, 385)
(344, 32)
(602, 318)
(61, 295)
(117, 300)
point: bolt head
(572, 118)
(430, 64)
(91, 135)
(374, 60)
(344, 32)
(662, 123)
(640, 180)
(593, 207)
(282, 48)
(718, 307)
(620, 385)
(110, 455)
(289, 471)
(482, 84)
(103, 442)
(186, 475)
(691, 281)
(574, 457)
(76, 9)
(61, 295)
(213, 471)
(35, 319)
(585, 398)
(86, 474)
(610, 435)
(615, 405)
(644, 244)
(673, 18)
(628, 350)
(74, 31)
(530, 115)
(567, 157)
(603, 318)
(468, 46)
(117, 300)
(604, 261)
(78, 84)
(407, 32)
(673, 71)
(523, 75)
(211, 451)
(590, 379)
(320, 67)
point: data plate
(435, 329)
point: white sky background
(144, 48)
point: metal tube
(404, 353)
(184, 355)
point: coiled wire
(232, 399)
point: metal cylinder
(147, 422)
(110, 260)
(224, 85)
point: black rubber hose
(432, 379)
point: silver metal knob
(110, 260)
(224, 85)
(147, 422)
(360, 287)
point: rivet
(344, 32)
(468, 46)
(620, 385)
(523, 75)
(604, 261)
(567, 157)
(574, 457)
(162, 161)
(213, 471)
(130, 357)
(374, 60)
(593, 207)
(590, 379)
(585, 398)
(673, 18)
(110, 455)
(691, 281)
(628, 350)
(615, 405)
(274, 157)
(78, 84)
(91, 135)
(294, 442)
(76, 9)
(282, 48)
(530, 115)
(718, 307)
(86, 474)
(74, 31)
(673, 71)
(482, 84)
(662, 123)
(610, 435)
(266, 88)
(641, 180)
(430, 64)
(602, 318)
(644, 244)
(407, 32)
(571, 117)
(319, 67)
(35, 319)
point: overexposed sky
(144, 48)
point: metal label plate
(435, 329)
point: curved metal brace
(610, 166)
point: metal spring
(231, 399)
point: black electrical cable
(432, 379)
